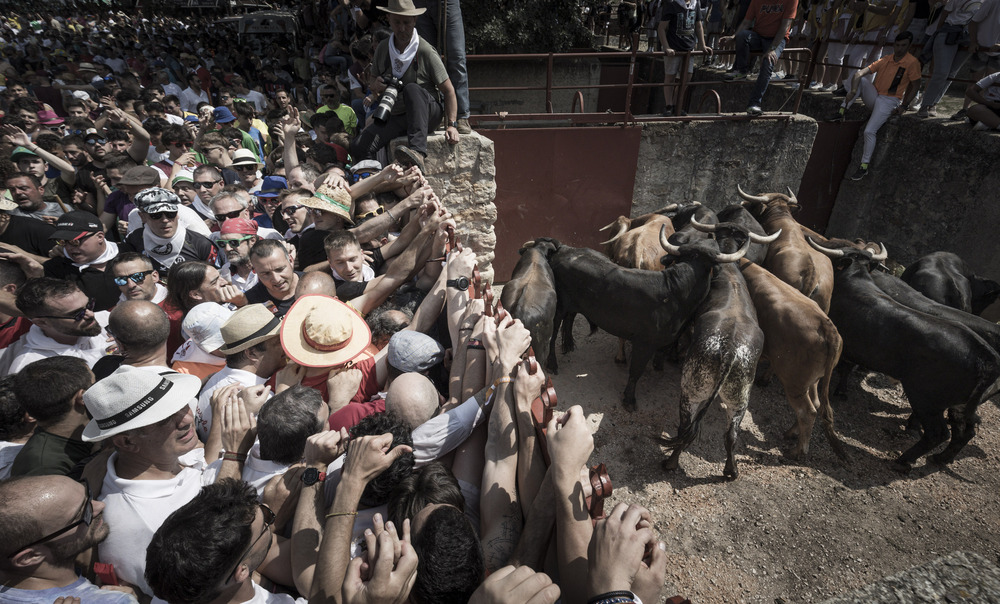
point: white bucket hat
(132, 398)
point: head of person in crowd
(156, 110)
(226, 97)
(412, 396)
(207, 550)
(385, 322)
(116, 165)
(364, 169)
(158, 211)
(26, 109)
(215, 149)
(330, 208)
(316, 282)
(320, 331)
(347, 260)
(245, 115)
(208, 182)
(274, 267)
(173, 105)
(269, 195)
(96, 144)
(137, 179)
(58, 308)
(377, 490)
(81, 236)
(118, 140)
(183, 187)
(178, 141)
(51, 390)
(233, 136)
(282, 98)
(155, 125)
(45, 522)
(451, 564)
(226, 205)
(295, 212)
(27, 191)
(303, 176)
(140, 328)
(16, 424)
(135, 277)
(191, 283)
(75, 109)
(246, 166)
(251, 341)
(223, 116)
(75, 151)
(203, 323)
(236, 237)
(194, 82)
(29, 162)
(287, 420)
(431, 484)
(146, 416)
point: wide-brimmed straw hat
(248, 326)
(331, 199)
(402, 7)
(132, 398)
(320, 331)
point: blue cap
(272, 186)
(191, 118)
(222, 115)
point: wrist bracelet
(502, 380)
(476, 345)
(333, 514)
(615, 597)
(461, 329)
(389, 212)
(231, 456)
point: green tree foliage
(523, 26)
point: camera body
(385, 104)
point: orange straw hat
(320, 331)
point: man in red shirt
(771, 20)
(897, 79)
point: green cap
(20, 152)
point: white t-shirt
(262, 596)
(134, 509)
(259, 100)
(8, 451)
(226, 272)
(228, 375)
(988, 18)
(990, 85)
(35, 345)
(189, 99)
(257, 472)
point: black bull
(648, 308)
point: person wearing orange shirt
(765, 30)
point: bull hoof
(731, 474)
(670, 464)
(620, 361)
(630, 406)
(941, 459)
(901, 466)
(792, 433)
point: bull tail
(593, 327)
(825, 409)
(686, 433)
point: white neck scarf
(164, 251)
(401, 60)
(110, 251)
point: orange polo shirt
(886, 69)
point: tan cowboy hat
(331, 199)
(320, 331)
(403, 7)
(132, 398)
(249, 325)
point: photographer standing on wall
(412, 81)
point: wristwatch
(453, 124)
(462, 283)
(311, 476)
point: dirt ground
(784, 531)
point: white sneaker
(830, 88)
(816, 86)
(777, 75)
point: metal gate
(564, 183)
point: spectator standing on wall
(680, 22)
(984, 46)
(770, 21)
(950, 48)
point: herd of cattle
(751, 283)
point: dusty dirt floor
(785, 531)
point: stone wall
(565, 72)
(464, 177)
(705, 161)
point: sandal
(601, 483)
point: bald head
(139, 326)
(316, 282)
(412, 397)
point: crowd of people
(245, 356)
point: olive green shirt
(426, 69)
(46, 454)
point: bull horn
(749, 197)
(670, 208)
(704, 228)
(720, 257)
(667, 246)
(527, 244)
(791, 196)
(833, 253)
(622, 228)
(764, 239)
(881, 256)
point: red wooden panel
(824, 173)
(560, 182)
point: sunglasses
(162, 215)
(361, 175)
(376, 212)
(77, 242)
(96, 141)
(291, 210)
(268, 521)
(136, 278)
(206, 185)
(86, 516)
(246, 168)
(223, 217)
(78, 315)
(232, 243)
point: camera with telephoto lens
(392, 86)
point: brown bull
(791, 258)
(635, 243)
(803, 346)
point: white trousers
(881, 107)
